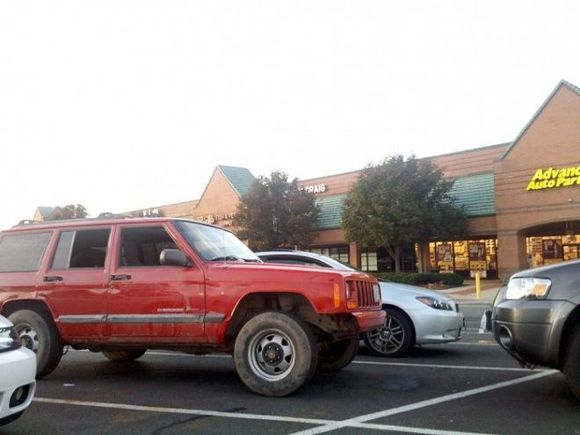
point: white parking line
(159, 409)
(444, 366)
(260, 417)
(327, 425)
(423, 404)
(376, 363)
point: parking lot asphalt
(468, 292)
(471, 386)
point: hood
(395, 287)
(548, 270)
(292, 269)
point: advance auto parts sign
(552, 178)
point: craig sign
(552, 178)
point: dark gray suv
(536, 318)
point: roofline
(466, 151)
(418, 158)
(160, 206)
(300, 181)
(228, 179)
(562, 83)
(219, 168)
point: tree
(71, 211)
(277, 213)
(400, 202)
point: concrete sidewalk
(467, 291)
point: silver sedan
(415, 315)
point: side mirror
(174, 257)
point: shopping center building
(522, 199)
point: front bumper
(531, 330)
(17, 369)
(369, 320)
(437, 326)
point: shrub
(422, 279)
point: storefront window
(543, 251)
(464, 256)
(369, 260)
(339, 253)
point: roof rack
(108, 215)
(101, 216)
(27, 222)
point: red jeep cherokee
(122, 286)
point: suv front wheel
(38, 333)
(275, 354)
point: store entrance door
(571, 252)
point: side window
(81, 249)
(141, 246)
(22, 252)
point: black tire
(572, 363)
(124, 355)
(393, 339)
(10, 418)
(275, 354)
(336, 356)
(38, 333)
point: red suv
(122, 286)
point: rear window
(81, 249)
(22, 252)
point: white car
(415, 315)
(17, 374)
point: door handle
(122, 277)
(54, 278)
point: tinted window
(142, 246)
(83, 248)
(22, 252)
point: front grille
(364, 291)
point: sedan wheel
(393, 339)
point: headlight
(9, 339)
(438, 304)
(377, 292)
(519, 288)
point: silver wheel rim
(271, 355)
(388, 339)
(28, 337)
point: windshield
(215, 244)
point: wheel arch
(255, 303)
(39, 306)
(406, 315)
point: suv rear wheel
(336, 356)
(38, 333)
(275, 354)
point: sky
(121, 105)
